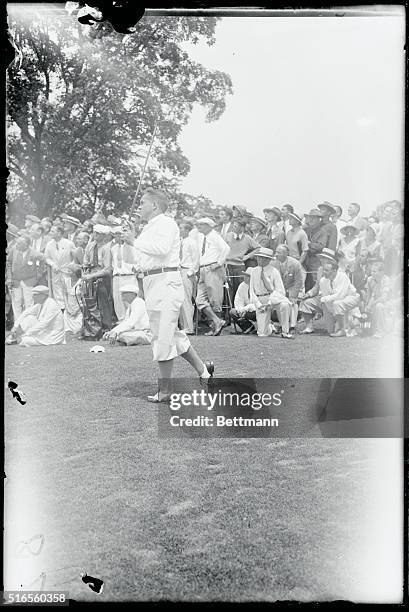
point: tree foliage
(82, 111)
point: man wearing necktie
(123, 261)
(267, 293)
(241, 244)
(292, 277)
(213, 253)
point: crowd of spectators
(67, 278)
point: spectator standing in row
(327, 211)
(225, 217)
(189, 264)
(274, 229)
(24, 268)
(241, 244)
(354, 218)
(123, 262)
(213, 253)
(317, 239)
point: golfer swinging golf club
(158, 248)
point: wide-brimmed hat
(349, 228)
(314, 212)
(12, 230)
(206, 221)
(258, 220)
(242, 209)
(72, 220)
(33, 218)
(102, 229)
(264, 252)
(273, 209)
(328, 206)
(328, 254)
(296, 217)
(40, 289)
(129, 288)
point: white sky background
(317, 113)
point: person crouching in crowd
(134, 328)
(310, 305)
(240, 245)
(267, 293)
(292, 277)
(244, 312)
(213, 253)
(42, 324)
(189, 266)
(338, 298)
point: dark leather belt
(130, 274)
(262, 294)
(209, 264)
(158, 271)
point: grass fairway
(191, 519)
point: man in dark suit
(317, 239)
(332, 233)
(24, 268)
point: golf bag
(91, 314)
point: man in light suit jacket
(292, 277)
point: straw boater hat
(242, 209)
(264, 252)
(40, 289)
(102, 229)
(206, 221)
(327, 206)
(348, 229)
(260, 221)
(129, 288)
(327, 254)
(296, 217)
(72, 220)
(314, 212)
(33, 218)
(273, 209)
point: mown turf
(187, 519)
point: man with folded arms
(244, 311)
(241, 244)
(213, 254)
(42, 324)
(158, 248)
(134, 327)
(317, 240)
(189, 266)
(292, 277)
(267, 293)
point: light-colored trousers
(134, 337)
(63, 291)
(21, 298)
(187, 310)
(338, 308)
(164, 297)
(117, 283)
(210, 289)
(283, 308)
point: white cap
(40, 289)
(207, 221)
(130, 288)
(102, 229)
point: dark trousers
(235, 277)
(105, 303)
(243, 322)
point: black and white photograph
(204, 304)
